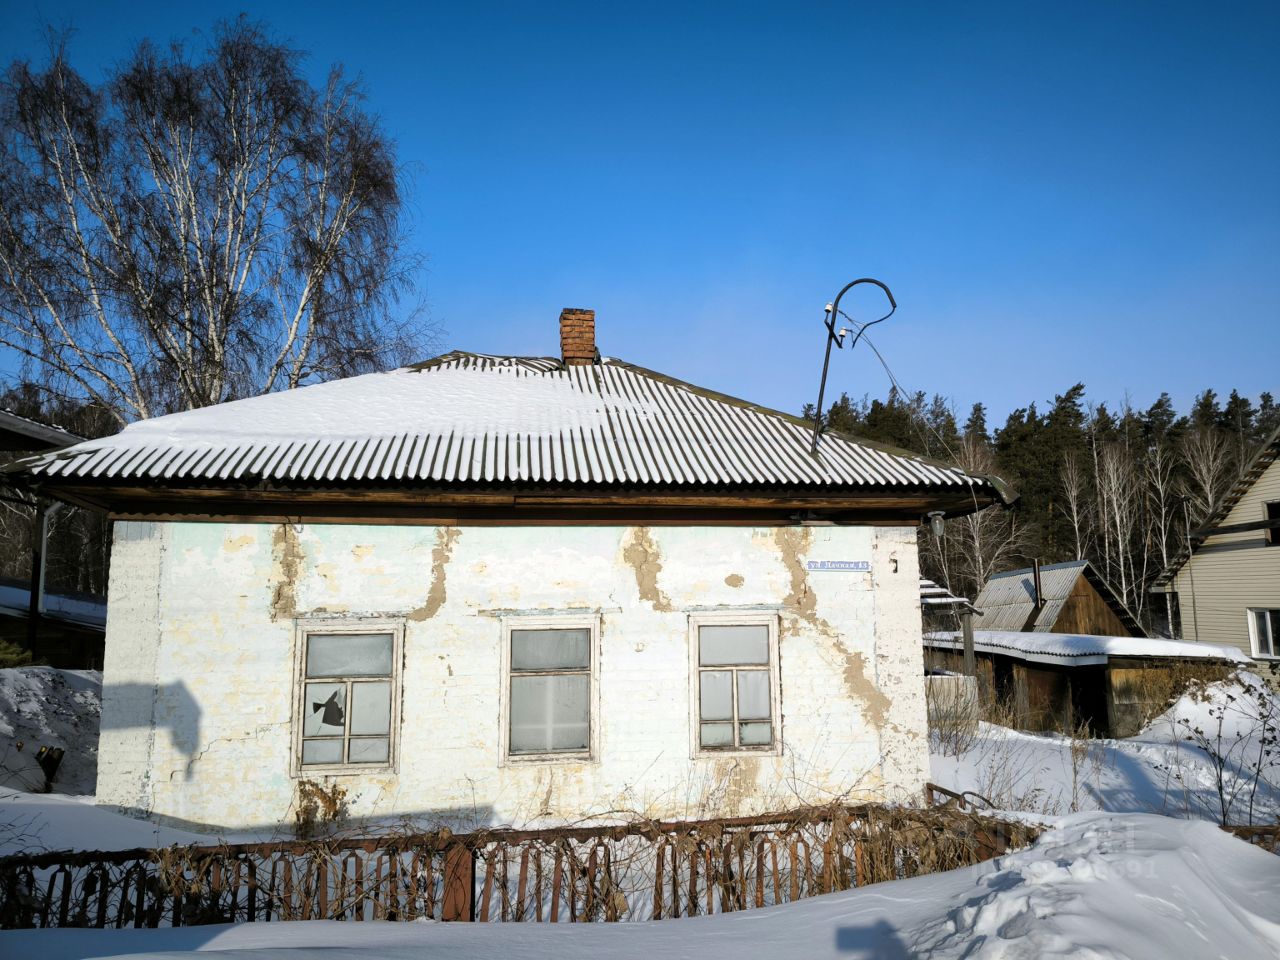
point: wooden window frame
(731, 618)
(553, 621)
(1271, 537)
(1254, 639)
(371, 625)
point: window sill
(342, 770)
(771, 751)
(527, 759)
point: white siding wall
(202, 631)
(1232, 573)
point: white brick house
(507, 590)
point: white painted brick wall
(201, 635)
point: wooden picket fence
(642, 870)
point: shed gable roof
(1008, 599)
(467, 418)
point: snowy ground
(1169, 768)
(41, 706)
(1115, 884)
(1098, 886)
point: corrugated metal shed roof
(1078, 649)
(1008, 599)
(934, 596)
(470, 418)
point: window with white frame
(548, 688)
(735, 684)
(348, 697)
(1265, 626)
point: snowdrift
(41, 706)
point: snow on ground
(1168, 768)
(1098, 886)
(37, 823)
(41, 706)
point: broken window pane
(550, 713)
(756, 734)
(717, 734)
(349, 655)
(716, 701)
(753, 695)
(325, 706)
(369, 750)
(370, 708)
(322, 751)
(551, 649)
(731, 645)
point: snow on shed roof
(471, 418)
(1007, 599)
(936, 596)
(1078, 649)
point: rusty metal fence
(643, 870)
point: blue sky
(1054, 193)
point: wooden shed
(1067, 597)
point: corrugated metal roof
(470, 418)
(1007, 599)
(1078, 649)
(937, 597)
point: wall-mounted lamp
(936, 526)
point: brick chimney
(577, 336)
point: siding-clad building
(1228, 586)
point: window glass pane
(322, 751)
(1260, 626)
(549, 713)
(369, 750)
(733, 644)
(370, 707)
(551, 649)
(753, 695)
(716, 695)
(756, 734)
(716, 734)
(349, 655)
(324, 709)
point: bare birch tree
(1075, 495)
(1206, 454)
(195, 230)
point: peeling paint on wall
(792, 543)
(644, 558)
(286, 554)
(446, 537)
(852, 695)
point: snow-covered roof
(937, 597)
(469, 418)
(1007, 600)
(23, 433)
(1079, 649)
